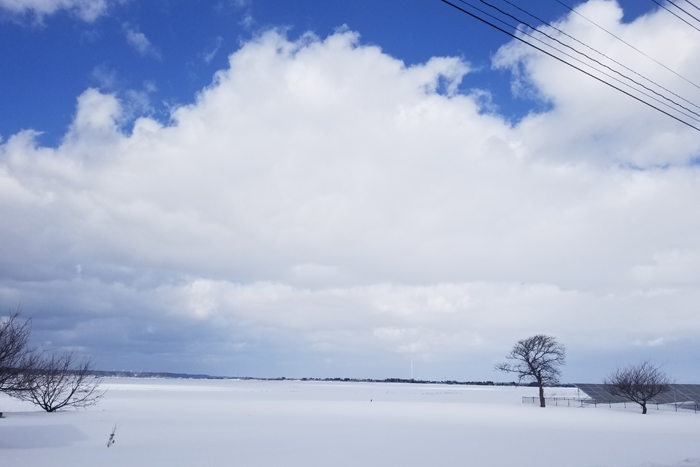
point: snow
(295, 423)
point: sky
(343, 189)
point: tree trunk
(644, 408)
(542, 395)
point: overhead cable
(683, 10)
(567, 63)
(628, 44)
(676, 15)
(584, 63)
(593, 60)
(599, 52)
(692, 4)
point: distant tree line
(51, 380)
(400, 380)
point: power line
(594, 60)
(569, 64)
(674, 14)
(692, 4)
(627, 43)
(582, 62)
(600, 53)
(683, 10)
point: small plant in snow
(111, 441)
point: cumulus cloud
(588, 113)
(322, 202)
(87, 10)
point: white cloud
(322, 197)
(247, 21)
(105, 77)
(87, 10)
(443, 319)
(139, 42)
(209, 56)
(588, 114)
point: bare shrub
(60, 381)
(639, 383)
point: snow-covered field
(291, 423)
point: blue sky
(48, 62)
(336, 189)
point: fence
(577, 402)
(556, 401)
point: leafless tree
(60, 381)
(639, 383)
(536, 359)
(17, 358)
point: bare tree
(61, 381)
(639, 383)
(17, 358)
(537, 359)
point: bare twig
(17, 359)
